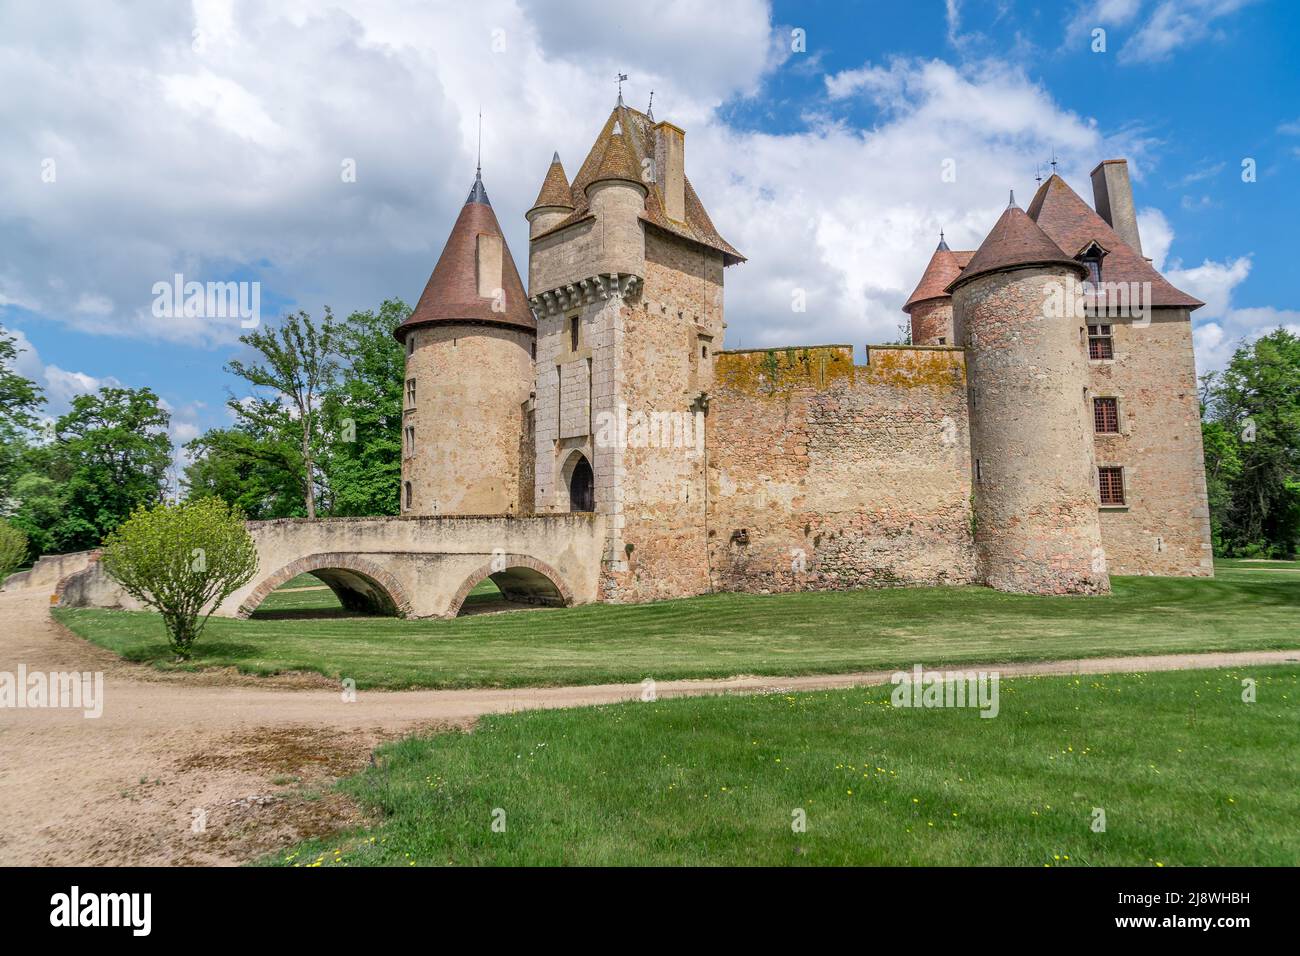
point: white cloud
(60, 386)
(1157, 235)
(1211, 282)
(218, 153)
(1220, 326)
(1176, 23)
(852, 216)
(210, 141)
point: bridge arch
(359, 584)
(519, 578)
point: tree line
(317, 432)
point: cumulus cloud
(851, 216)
(59, 385)
(212, 144)
(1221, 325)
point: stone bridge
(411, 567)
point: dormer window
(1091, 257)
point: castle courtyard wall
(824, 475)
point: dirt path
(250, 756)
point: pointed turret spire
(476, 192)
(555, 187)
(943, 246)
(617, 162)
(475, 279)
(1012, 201)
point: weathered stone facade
(461, 430)
(932, 322)
(1164, 525)
(971, 456)
(823, 475)
(1035, 499)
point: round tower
(616, 196)
(930, 306)
(554, 201)
(1034, 495)
(469, 372)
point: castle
(590, 439)
(1032, 437)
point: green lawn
(1246, 607)
(1209, 780)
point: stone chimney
(1112, 194)
(670, 169)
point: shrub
(13, 549)
(182, 560)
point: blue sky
(207, 139)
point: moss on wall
(777, 372)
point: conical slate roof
(1073, 225)
(555, 187)
(637, 133)
(616, 163)
(1015, 241)
(451, 294)
(945, 265)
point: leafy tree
(1252, 440)
(183, 560)
(13, 549)
(20, 399)
(251, 466)
(363, 459)
(41, 501)
(298, 362)
(111, 452)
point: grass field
(1248, 606)
(1209, 780)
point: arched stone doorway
(581, 482)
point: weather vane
(1053, 162)
(621, 78)
(1038, 173)
(650, 110)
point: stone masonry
(1029, 449)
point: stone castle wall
(1037, 529)
(471, 380)
(665, 355)
(1164, 525)
(931, 321)
(826, 475)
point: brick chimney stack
(1112, 194)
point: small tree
(13, 548)
(182, 559)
